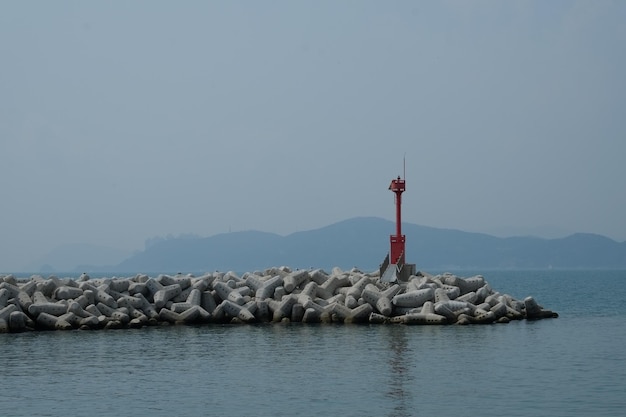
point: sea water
(574, 365)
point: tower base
(397, 273)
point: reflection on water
(398, 392)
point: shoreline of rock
(274, 295)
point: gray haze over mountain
(124, 121)
(363, 242)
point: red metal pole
(398, 213)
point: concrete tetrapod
(276, 294)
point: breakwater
(274, 295)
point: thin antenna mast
(404, 166)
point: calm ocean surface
(574, 365)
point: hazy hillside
(68, 257)
(363, 242)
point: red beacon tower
(394, 267)
(397, 241)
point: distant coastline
(362, 242)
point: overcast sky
(121, 121)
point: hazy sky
(121, 121)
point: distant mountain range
(364, 242)
(65, 257)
